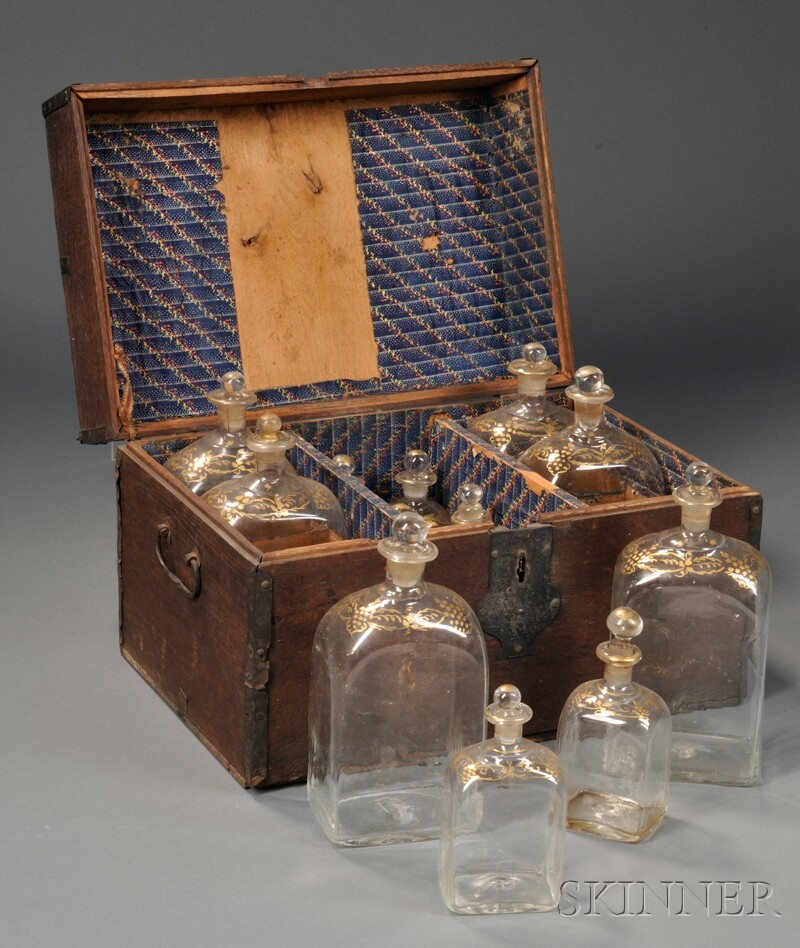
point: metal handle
(192, 560)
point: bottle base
(495, 893)
(612, 817)
(382, 817)
(725, 761)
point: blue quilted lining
(452, 230)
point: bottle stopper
(409, 541)
(624, 624)
(697, 492)
(268, 435)
(416, 476)
(232, 391)
(589, 387)
(470, 509)
(343, 464)
(508, 713)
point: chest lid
(363, 241)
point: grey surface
(674, 137)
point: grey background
(674, 138)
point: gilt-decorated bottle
(530, 416)
(704, 597)
(614, 744)
(503, 818)
(593, 461)
(274, 506)
(222, 454)
(398, 685)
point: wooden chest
(371, 249)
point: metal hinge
(56, 101)
(521, 601)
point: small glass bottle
(415, 480)
(591, 460)
(222, 454)
(613, 743)
(704, 597)
(531, 416)
(274, 502)
(398, 683)
(503, 820)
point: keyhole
(521, 568)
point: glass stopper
(534, 352)
(232, 391)
(417, 462)
(624, 624)
(232, 382)
(697, 497)
(508, 709)
(589, 379)
(268, 426)
(471, 494)
(344, 463)
(470, 509)
(417, 475)
(589, 387)
(269, 436)
(698, 474)
(409, 541)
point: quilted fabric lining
(452, 230)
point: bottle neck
(404, 575)
(531, 386)
(616, 675)
(508, 736)
(232, 418)
(588, 416)
(415, 491)
(270, 463)
(696, 520)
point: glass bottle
(222, 454)
(613, 743)
(274, 502)
(531, 416)
(704, 597)
(415, 480)
(503, 817)
(591, 460)
(398, 684)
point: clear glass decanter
(222, 454)
(591, 460)
(274, 503)
(614, 744)
(531, 416)
(503, 817)
(415, 480)
(398, 685)
(704, 598)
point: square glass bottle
(503, 820)
(614, 744)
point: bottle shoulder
(487, 762)
(383, 613)
(598, 701)
(676, 556)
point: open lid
(364, 241)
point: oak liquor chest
(371, 249)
